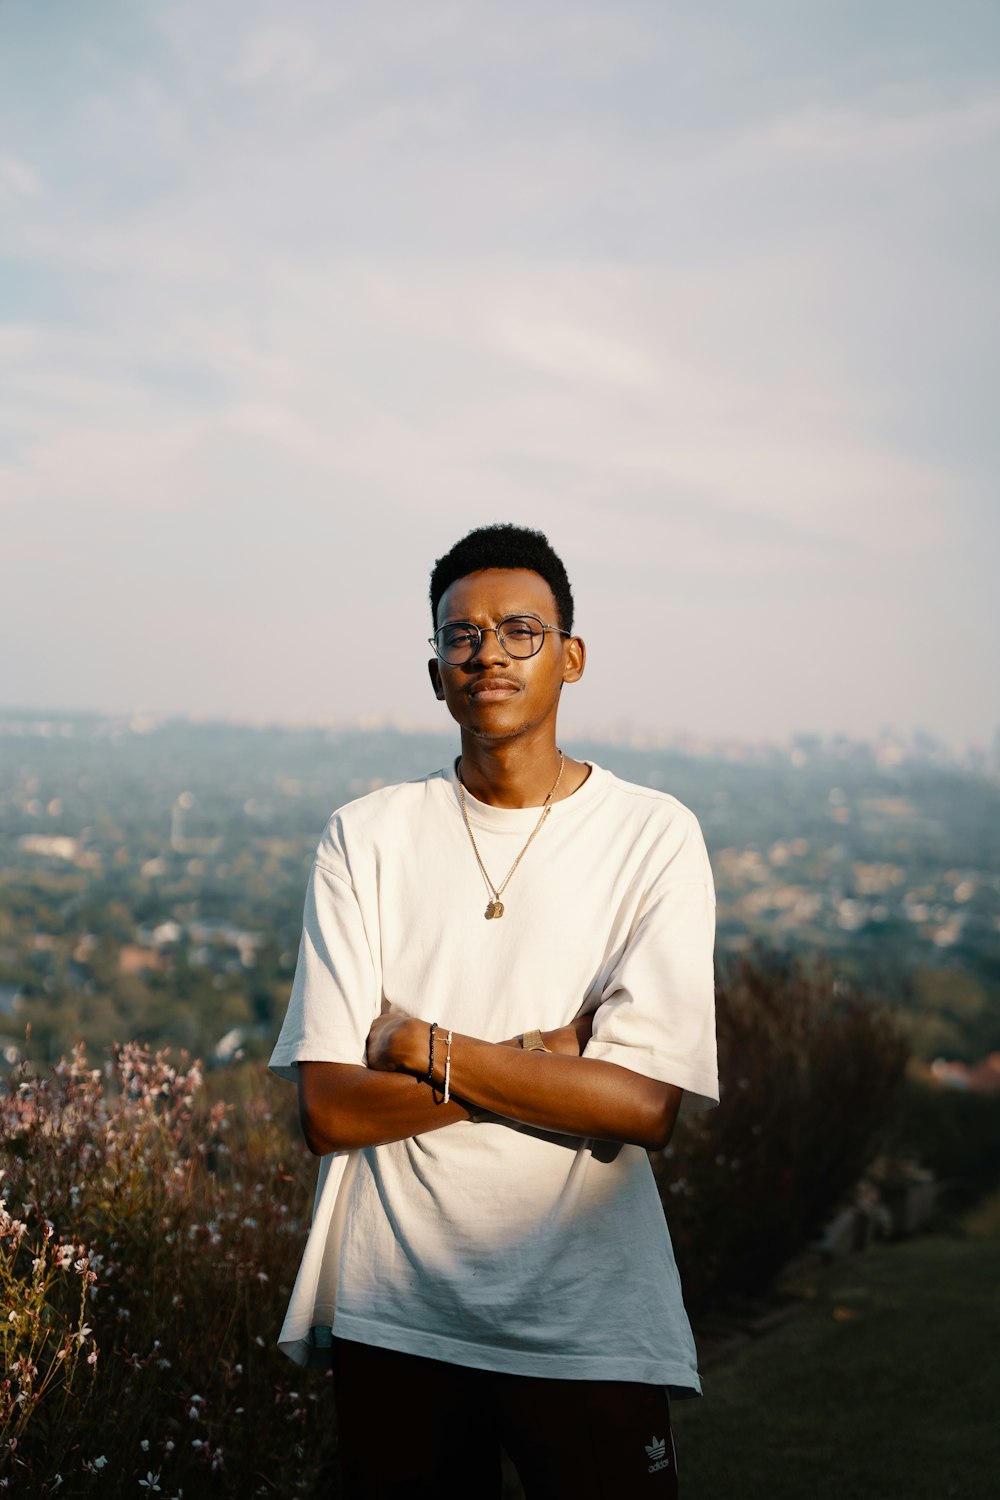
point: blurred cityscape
(153, 872)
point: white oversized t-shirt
(491, 1244)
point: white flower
(150, 1482)
(99, 1463)
(144, 1445)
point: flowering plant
(148, 1239)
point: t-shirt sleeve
(657, 1010)
(335, 992)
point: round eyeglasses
(519, 636)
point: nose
(488, 651)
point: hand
(393, 1042)
(570, 1040)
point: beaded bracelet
(430, 1064)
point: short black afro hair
(504, 546)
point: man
(504, 987)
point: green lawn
(897, 1395)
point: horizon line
(141, 719)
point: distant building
(135, 960)
(162, 935)
(54, 845)
(230, 1048)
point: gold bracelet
(531, 1041)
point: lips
(492, 689)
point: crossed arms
(344, 1106)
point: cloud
(341, 283)
(18, 178)
(575, 352)
(869, 136)
(288, 57)
(411, 378)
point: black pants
(424, 1430)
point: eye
(454, 636)
(521, 630)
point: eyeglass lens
(519, 636)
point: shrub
(149, 1238)
(809, 1076)
(954, 1133)
(144, 1279)
(44, 1331)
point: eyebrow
(512, 614)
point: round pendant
(494, 909)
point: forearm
(343, 1106)
(570, 1095)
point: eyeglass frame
(481, 631)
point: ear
(435, 675)
(574, 659)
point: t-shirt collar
(514, 819)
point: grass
(886, 1386)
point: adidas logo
(656, 1451)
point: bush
(148, 1243)
(149, 1239)
(810, 1074)
(954, 1133)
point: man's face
(496, 696)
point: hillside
(153, 872)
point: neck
(515, 774)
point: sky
(293, 295)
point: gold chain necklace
(494, 908)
